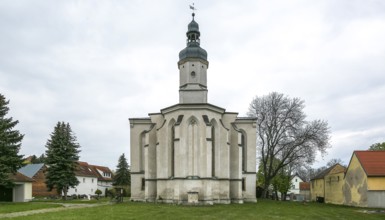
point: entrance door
(5, 194)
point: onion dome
(193, 50)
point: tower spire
(193, 66)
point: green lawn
(9, 207)
(264, 209)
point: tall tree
(10, 143)
(377, 146)
(284, 134)
(61, 159)
(122, 176)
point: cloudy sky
(96, 63)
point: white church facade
(193, 152)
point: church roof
(190, 106)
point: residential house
(326, 186)
(37, 173)
(20, 192)
(105, 178)
(365, 179)
(304, 190)
(88, 180)
(295, 180)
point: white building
(193, 152)
(105, 178)
(88, 181)
(295, 182)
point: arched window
(193, 148)
(171, 141)
(141, 151)
(172, 151)
(214, 147)
(244, 152)
(213, 150)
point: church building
(193, 151)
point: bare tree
(283, 133)
(334, 161)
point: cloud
(94, 64)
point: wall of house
(294, 185)
(39, 188)
(356, 185)
(376, 192)
(87, 186)
(22, 192)
(376, 199)
(305, 194)
(103, 185)
(333, 188)
(317, 189)
(376, 183)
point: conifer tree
(10, 143)
(62, 159)
(122, 176)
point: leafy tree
(62, 156)
(284, 134)
(377, 146)
(279, 183)
(10, 143)
(98, 192)
(122, 176)
(282, 183)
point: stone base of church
(253, 200)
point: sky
(95, 63)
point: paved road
(66, 206)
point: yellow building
(364, 183)
(327, 185)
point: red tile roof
(304, 186)
(83, 169)
(373, 162)
(104, 170)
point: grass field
(264, 209)
(9, 207)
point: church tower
(193, 66)
(193, 151)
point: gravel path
(66, 206)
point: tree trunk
(65, 193)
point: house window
(76, 190)
(92, 180)
(296, 180)
(84, 180)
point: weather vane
(192, 7)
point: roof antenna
(192, 7)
